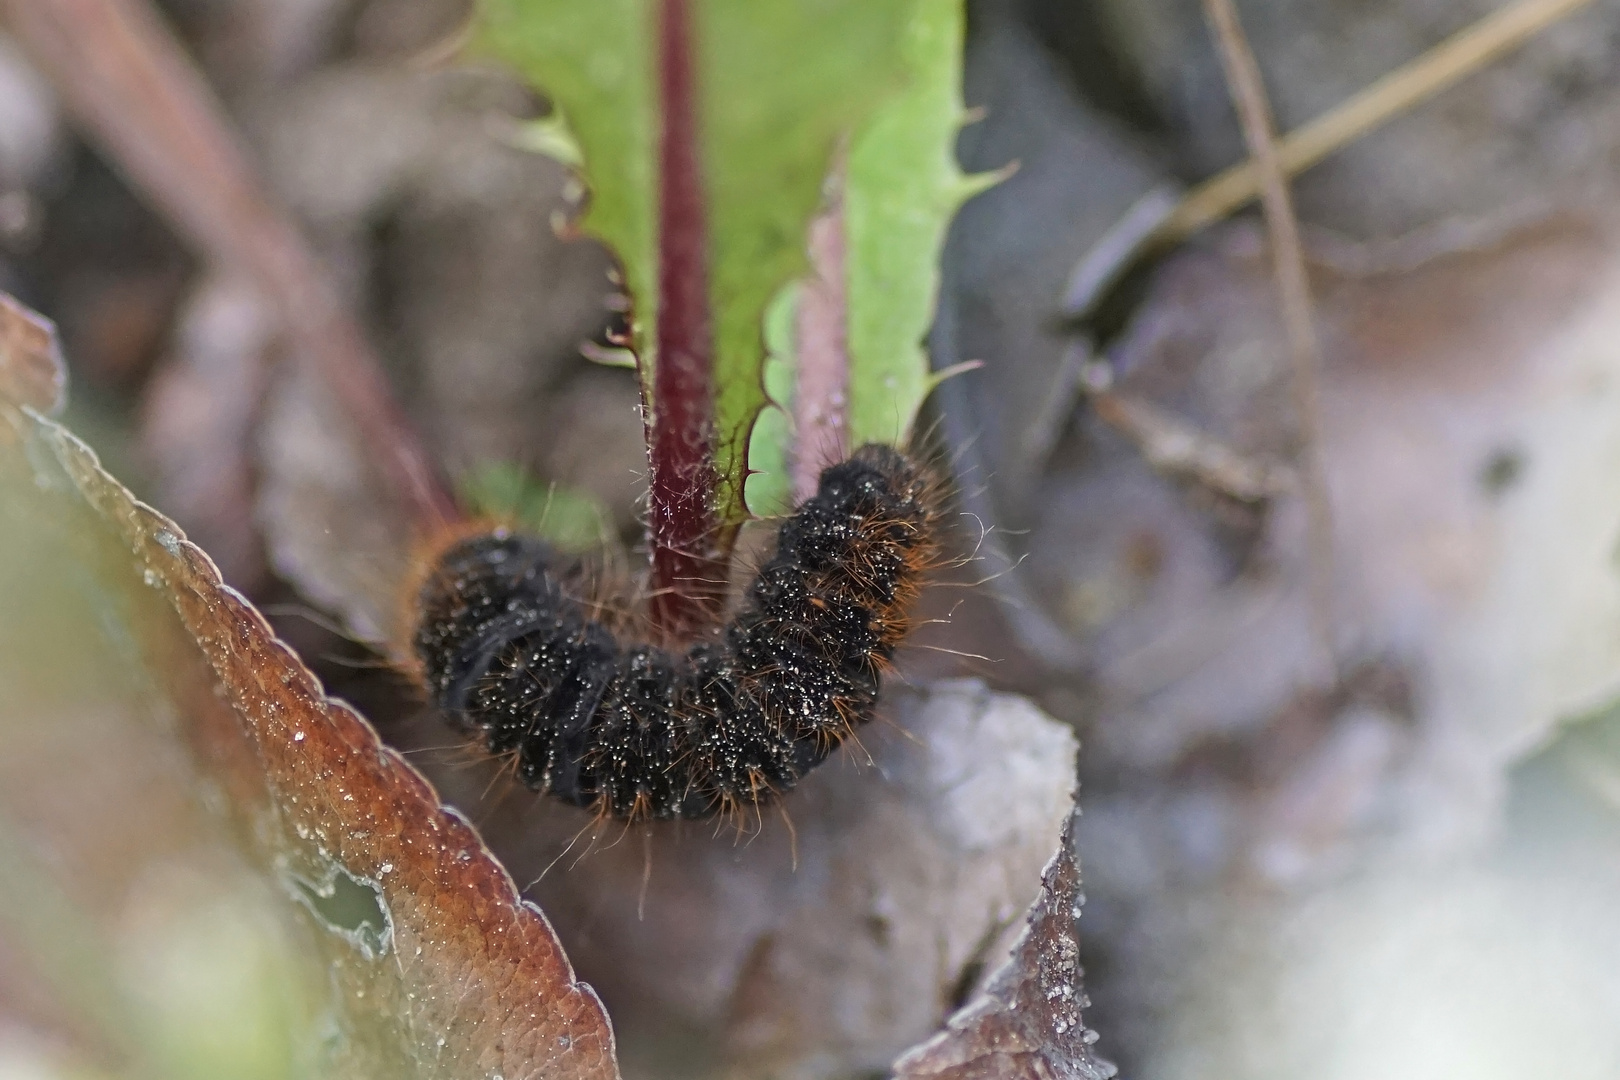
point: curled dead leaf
(435, 965)
(1027, 1023)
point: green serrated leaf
(901, 188)
(770, 485)
(551, 136)
(779, 86)
(571, 520)
(788, 87)
(608, 356)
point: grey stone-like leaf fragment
(1027, 1022)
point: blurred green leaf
(550, 135)
(569, 519)
(1566, 791)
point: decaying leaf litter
(1204, 759)
(1229, 802)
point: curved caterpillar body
(637, 731)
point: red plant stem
(688, 565)
(131, 85)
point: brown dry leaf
(432, 964)
(31, 368)
(1027, 1022)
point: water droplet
(298, 736)
(386, 868)
(1088, 1036)
(149, 576)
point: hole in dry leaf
(349, 906)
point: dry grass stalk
(1447, 63)
(1293, 291)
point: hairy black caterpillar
(638, 731)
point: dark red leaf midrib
(688, 568)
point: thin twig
(1293, 292)
(1102, 266)
(1450, 61)
(1177, 448)
(1118, 249)
(128, 81)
